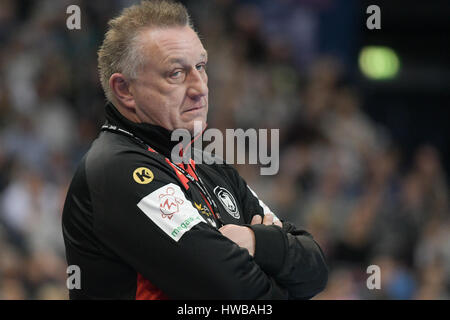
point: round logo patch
(143, 175)
(226, 198)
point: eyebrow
(181, 60)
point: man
(140, 226)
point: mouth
(194, 108)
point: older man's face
(171, 91)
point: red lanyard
(197, 182)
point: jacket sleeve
(289, 255)
(154, 228)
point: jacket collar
(155, 136)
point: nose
(197, 84)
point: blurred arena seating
(363, 164)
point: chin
(196, 125)
(193, 122)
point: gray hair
(121, 50)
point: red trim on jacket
(145, 290)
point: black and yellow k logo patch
(202, 209)
(143, 175)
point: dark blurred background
(363, 118)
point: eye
(201, 67)
(176, 74)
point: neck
(126, 112)
(155, 136)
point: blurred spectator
(341, 173)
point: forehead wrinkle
(161, 50)
(172, 46)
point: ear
(121, 89)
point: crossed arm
(244, 236)
(279, 260)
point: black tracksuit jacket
(137, 229)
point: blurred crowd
(340, 172)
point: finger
(257, 219)
(278, 223)
(268, 219)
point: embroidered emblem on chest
(227, 200)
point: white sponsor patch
(169, 209)
(265, 208)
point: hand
(241, 235)
(268, 220)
